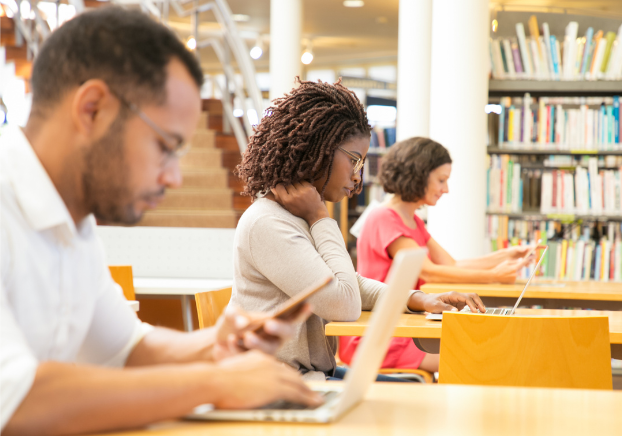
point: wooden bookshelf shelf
(566, 218)
(517, 88)
(497, 150)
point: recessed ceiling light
(353, 3)
(382, 20)
(240, 17)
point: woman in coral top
(416, 172)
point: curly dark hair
(297, 139)
(406, 167)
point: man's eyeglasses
(357, 162)
(173, 145)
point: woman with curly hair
(309, 148)
(416, 171)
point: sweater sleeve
(293, 263)
(371, 290)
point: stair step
(204, 138)
(225, 141)
(195, 198)
(213, 106)
(191, 218)
(7, 24)
(212, 178)
(214, 122)
(202, 158)
(241, 203)
(13, 52)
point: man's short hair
(407, 166)
(126, 49)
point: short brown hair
(407, 166)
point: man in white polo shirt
(115, 98)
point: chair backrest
(123, 276)
(210, 305)
(535, 351)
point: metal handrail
(230, 40)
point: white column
(459, 92)
(414, 52)
(285, 51)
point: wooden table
(421, 409)
(550, 294)
(183, 289)
(427, 334)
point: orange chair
(210, 305)
(125, 278)
(528, 351)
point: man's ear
(94, 108)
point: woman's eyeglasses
(357, 162)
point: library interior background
(524, 94)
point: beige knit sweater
(276, 255)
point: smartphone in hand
(291, 308)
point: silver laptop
(498, 310)
(339, 399)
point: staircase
(210, 195)
(15, 54)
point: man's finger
(268, 344)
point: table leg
(186, 312)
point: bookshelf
(537, 88)
(552, 152)
(585, 239)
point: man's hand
(234, 335)
(448, 301)
(301, 200)
(254, 379)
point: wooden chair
(556, 352)
(210, 305)
(125, 278)
(417, 374)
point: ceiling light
(191, 43)
(257, 49)
(256, 52)
(353, 3)
(307, 56)
(382, 20)
(240, 17)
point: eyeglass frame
(360, 162)
(174, 146)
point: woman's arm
(491, 260)
(433, 273)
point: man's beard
(106, 178)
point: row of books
(541, 56)
(586, 191)
(382, 137)
(507, 189)
(570, 161)
(546, 123)
(587, 252)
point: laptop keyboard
(490, 310)
(288, 405)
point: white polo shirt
(57, 299)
